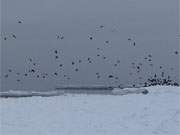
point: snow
(157, 113)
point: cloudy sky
(36, 28)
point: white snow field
(157, 113)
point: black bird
(110, 76)
(18, 80)
(176, 52)
(150, 55)
(32, 71)
(129, 39)
(138, 67)
(107, 42)
(6, 76)
(56, 57)
(73, 63)
(115, 65)
(76, 69)
(5, 38)
(57, 36)
(134, 44)
(34, 64)
(55, 73)
(97, 73)
(91, 38)
(101, 26)
(25, 74)
(19, 22)
(104, 57)
(10, 70)
(14, 36)
(60, 65)
(30, 59)
(98, 55)
(118, 61)
(62, 37)
(55, 51)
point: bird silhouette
(56, 57)
(6, 76)
(176, 52)
(80, 61)
(118, 61)
(76, 69)
(56, 51)
(19, 22)
(72, 63)
(107, 42)
(110, 76)
(104, 57)
(134, 43)
(55, 73)
(18, 80)
(115, 65)
(57, 36)
(30, 59)
(101, 26)
(14, 36)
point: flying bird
(19, 22)
(55, 51)
(14, 36)
(6, 76)
(110, 76)
(107, 42)
(134, 43)
(176, 52)
(9, 70)
(101, 26)
(91, 38)
(76, 69)
(55, 73)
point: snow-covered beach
(157, 112)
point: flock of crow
(154, 79)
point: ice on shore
(156, 113)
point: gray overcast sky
(152, 24)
